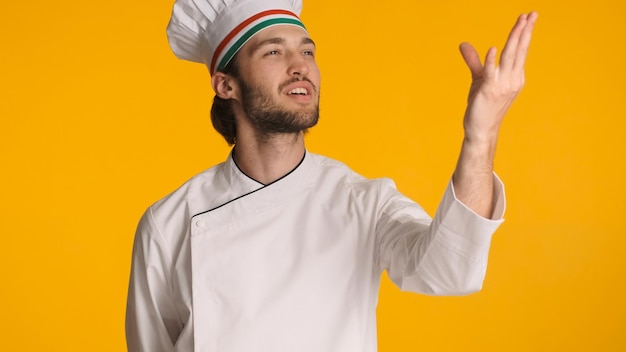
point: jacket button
(200, 223)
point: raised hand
(493, 90)
(494, 87)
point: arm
(448, 256)
(443, 256)
(492, 92)
(151, 320)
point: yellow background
(99, 120)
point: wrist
(480, 144)
(477, 154)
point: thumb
(472, 60)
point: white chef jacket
(227, 264)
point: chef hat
(212, 31)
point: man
(279, 249)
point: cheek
(261, 81)
(267, 76)
(314, 74)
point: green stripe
(252, 31)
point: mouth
(298, 91)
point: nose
(298, 65)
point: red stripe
(240, 27)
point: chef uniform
(228, 264)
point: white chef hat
(212, 31)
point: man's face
(279, 80)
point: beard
(269, 118)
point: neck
(269, 158)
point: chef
(280, 249)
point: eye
(272, 52)
(309, 53)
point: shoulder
(172, 212)
(334, 167)
(331, 168)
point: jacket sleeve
(445, 256)
(152, 323)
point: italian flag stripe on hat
(244, 31)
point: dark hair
(222, 115)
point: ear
(224, 85)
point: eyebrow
(281, 41)
(307, 40)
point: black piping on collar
(258, 189)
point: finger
(472, 60)
(507, 59)
(524, 43)
(490, 63)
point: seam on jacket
(377, 238)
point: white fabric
(292, 266)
